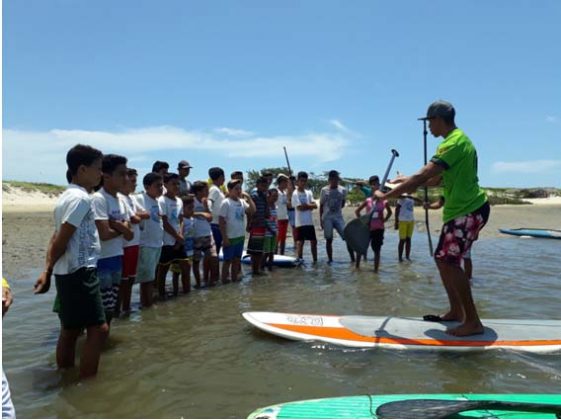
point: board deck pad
(370, 406)
(537, 336)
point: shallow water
(195, 356)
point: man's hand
(398, 179)
(43, 283)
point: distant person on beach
(379, 212)
(466, 211)
(468, 265)
(151, 236)
(131, 249)
(232, 219)
(160, 167)
(72, 257)
(112, 225)
(173, 251)
(215, 198)
(258, 226)
(205, 249)
(405, 223)
(332, 199)
(303, 202)
(8, 410)
(282, 212)
(272, 229)
(183, 170)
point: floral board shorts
(458, 235)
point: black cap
(441, 109)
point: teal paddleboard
(498, 406)
(535, 233)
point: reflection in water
(195, 356)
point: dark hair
(233, 182)
(302, 174)
(68, 176)
(261, 180)
(188, 200)
(333, 174)
(272, 190)
(81, 155)
(236, 174)
(132, 172)
(266, 174)
(373, 178)
(214, 173)
(170, 177)
(110, 163)
(159, 165)
(198, 186)
(150, 178)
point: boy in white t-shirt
(405, 222)
(188, 234)
(131, 249)
(284, 188)
(232, 226)
(303, 202)
(112, 225)
(172, 249)
(205, 248)
(151, 236)
(72, 257)
(215, 198)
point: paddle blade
(442, 409)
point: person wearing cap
(466, 211)
(331, 202)
(183, 169)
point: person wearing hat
(183, 169)
(466, 211)
(332, 199)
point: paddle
(442, 409)
(287, 162)
(426, 188)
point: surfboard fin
(441, 409)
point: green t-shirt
(462, 194)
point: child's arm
(251, 209)
(123, 227)
(388, 212)
(56, 249)
(203, 215)
(359, 209)
(222, 225)
(169, 229)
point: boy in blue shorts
(110, 219)
(232, 226)
(72, 257)
(151, 236)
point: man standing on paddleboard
(466, 211)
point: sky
(230, 83)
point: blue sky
(228, 83)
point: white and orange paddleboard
(536, 336)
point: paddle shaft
(394, 155)
(426, 189)
(287, 161)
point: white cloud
(43, 153)
(340, 126)
(234, 132)
(551, 119)
(527, 167)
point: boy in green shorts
(72, 257)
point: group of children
(108, 237)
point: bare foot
(466, 329)
(451, 316)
